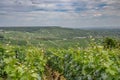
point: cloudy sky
(65, 13)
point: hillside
(55, 53)
(59, 32)
(52, 36)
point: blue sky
(65, 13)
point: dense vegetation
(37, 55)
(21, 63)
(92, 63)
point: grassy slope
(52, 36)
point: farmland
(55, 53)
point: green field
(52, 36)
(55, 53)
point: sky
(65, 13)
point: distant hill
(65, 32)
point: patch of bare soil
(53, 75)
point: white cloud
(60, 12)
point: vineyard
(59, 39)
(59, 54)
(35, 63)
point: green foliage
(93, 63)
(21, 63)
(1, 36)
(2, 64)
(111, 43)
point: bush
(109, 43)
(1, 36)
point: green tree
(109, 43)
